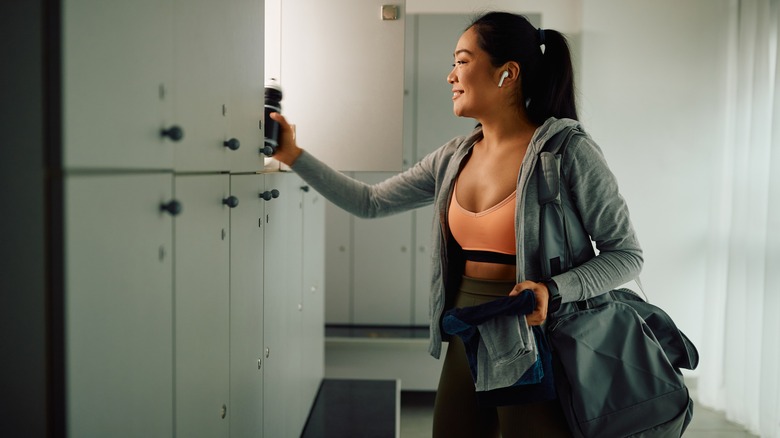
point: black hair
(547, 78)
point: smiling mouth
(456, 93)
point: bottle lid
(273, 83)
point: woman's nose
(451, 76)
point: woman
(517, 82)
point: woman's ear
(504, 75)
(508, 73)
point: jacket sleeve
(604, 213)
(410, 189)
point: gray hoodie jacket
(592, 187)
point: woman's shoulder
(580, 143)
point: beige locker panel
(313, 366)
(437, 36)
(118, 304)
(200, 88)
(283, 322)
(338, 265)
(349, 114)
(202, 306)
(423, 265)
(246, 306)
(245, 100)
(281, 285)
(293, 225)
(117, 73)
(382, 266)
(297, 359)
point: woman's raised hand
(288, 151)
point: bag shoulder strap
(563, 240)
(550, 166)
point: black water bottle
(273, 104)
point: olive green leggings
(456, 413)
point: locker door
(202, 306)
(119, 306)
(246, 306)
(117, 73)
(313, 366)
(281, 322)
(423, 265)
(245, 105)
(383, 267)
(338, 265)
(293, 218)
(201, 74)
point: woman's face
(473, 78)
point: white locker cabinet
(338, 265)
(282, 290)
(246, 306)
(313, 365)
(202, 310)
(162, 84)
(422, 266)
(436, 37)
(117, 75)
(428, 124)
(293, 227)
(382, 266)
(119, 306)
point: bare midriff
(489, 271)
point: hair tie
(541, 36)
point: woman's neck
(506, 129)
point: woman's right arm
(407, 190)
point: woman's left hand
(542, 296)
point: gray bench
(347, 408)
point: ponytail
(551, 92)
(544, 58)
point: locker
(117, 76)
(119, 305)
(246, 305)
(202, 312)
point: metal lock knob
(230, 201)
(172, 207)
(174, 133)
(268, 195)
(233, 144)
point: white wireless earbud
(504, 75)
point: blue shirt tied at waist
(503, 351)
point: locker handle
(173, 207)
(230, 201)
(267, 195)
(175, 133)
(233, 144)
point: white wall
(273, 38)
(561, 15)
(653, 95)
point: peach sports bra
(487, 236)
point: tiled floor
(417, 420)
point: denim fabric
(487, 329)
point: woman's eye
(458, 63)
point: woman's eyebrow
(462, 51)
